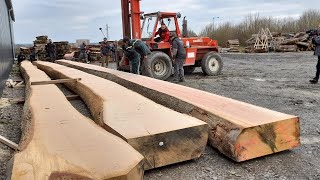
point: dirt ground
(275, 81)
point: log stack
(40, 46)
(62, 48)
(283, 42)
(239, 130)
(233, 45)
(163, 136)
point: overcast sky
(78, 19)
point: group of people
(137, 51)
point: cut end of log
(267, 139)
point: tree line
(253, 23)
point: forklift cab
(151, 24)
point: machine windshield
(149, 23)
(147, 26)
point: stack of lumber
(66, 145)
(284, 42)
(163, 136)
(239, 130)
(62, 48)
(233, 45)
(40, 46)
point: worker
(131, 54)
(21, 57)
(141, 48)
(316, 42)
(105, 53)
(33, 54)
(163, 32)
(83, 55)
(51, 50)
(179, 57)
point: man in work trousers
(105, 53)
(316, 42)
(131, 54)
(51, 50)
(83, 54)
(179, 57)
(140, 47)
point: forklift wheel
(189, 69)
(212, 64)
(158, 66)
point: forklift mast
(131, 22)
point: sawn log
(239, 130)
(60, 143)
(161, 135)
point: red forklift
(201, 51)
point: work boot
(182, 79)
(314, 81)
(175, 80)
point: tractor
(201, 51)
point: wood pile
(66, 145)
(40, 46)
(62, 48)
(280, 42)
(163, 136)
(239, 130)
(233, 45)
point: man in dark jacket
(140, 47)
(164, 33)
(51, 50)
(21, 57)
(179, 57)
(132, 55)
(83, 55)
(33, 54)
(316, 42)
(105, 53)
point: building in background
(6, 41)
(80, 41)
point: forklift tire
(158, 65)
(212, 64)
(189, 69)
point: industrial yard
(275, 81)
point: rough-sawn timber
(239, 130)
(161, 135)
(60, 143)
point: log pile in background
(233, 45)
(40, 46)
(282, 42)
(62, 48)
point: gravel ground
(275, 81)
(10, 121)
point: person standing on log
(51, 50)
(316, 42)
(105, 53)
(179, 57)
(21, 57)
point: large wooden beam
(239, 130)
(60, 143)
(162, 135)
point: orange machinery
(201, 51)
